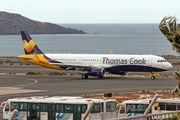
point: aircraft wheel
(84, 76)
(153, 77)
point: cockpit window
(161, 61)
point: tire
(153, 77)
(84, 76)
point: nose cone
(169, 66)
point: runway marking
(30, 79)
(34, 82)
(13, 90)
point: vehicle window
(96, 109)
(34, 107)
(171, 106)
(68, 108)
(161, 106)
(14, 105)
(178, 106)
(136, 108)
(7, 108)
(122, 110)
(83, 108)
(110, 106)
(23, 106)
(43, 107)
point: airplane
(92, 64)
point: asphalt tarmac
(40, 85)
(14, 83)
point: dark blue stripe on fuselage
(133, 68)
(51, 60)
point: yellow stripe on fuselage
(38, 59)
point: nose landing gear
(152, 76)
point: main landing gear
(85, 76)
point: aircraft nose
(169, 66)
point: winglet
(110, 52)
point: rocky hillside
(11, 23)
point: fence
(159, 116)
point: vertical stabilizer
(29, 45)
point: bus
(59, 108)
(166, 105)
(133, 107)
(136, 107)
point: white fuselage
(146, 63)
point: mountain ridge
(12, 23)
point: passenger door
(77, 112)
(149, 61)
(51, 111)
(122, 111)
(33, 112)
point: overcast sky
(93, 11)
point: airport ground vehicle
(133, 107)
(59, 108)
(136, 107)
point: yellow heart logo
(28, 46)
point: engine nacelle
(119, 72)
(96, 72)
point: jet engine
(99, 72)
(118, 72)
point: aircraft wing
(77, 66)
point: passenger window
(34, 107)
(69, 108)
(96, 108)
(14, 105)
(7, 108)
(43, 107)
(110, 106)
(122, 110)
(23, 106)
(84, 108)
(161, 105)
(178, 106)
(171, 106)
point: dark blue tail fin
(29, 45)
